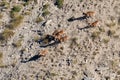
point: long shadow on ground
(79, 18)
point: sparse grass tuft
(6, 34)
(16, 22)
(59, 3)
(45, 13)
(95, 34)
(39, 19)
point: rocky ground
(88, 54)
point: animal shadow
(33, 58)
(79, 18)
(84, 28)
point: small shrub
(17, 44)
(15, 11)
(36, 38)
(106, 40)
(110, 32)
(4, 4)
(112, 24)
(116, 36)
(1, 16)
(74, 42)
(6, 34)
(14, 14)
(81, 0)
(39, 19)
(26, 3)
(95, 34)
(16, 22)
(118, 72)
(27, 13)
(16, 8)
(1, 61)
(1, 55)
(59, 3)
(45, 13)
(45, 7)
(53, 74)
(102, 29)
(119, 21)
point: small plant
(27, 13)
(14, 14)
(119, 21)
(112, 24)
(1, 16)
(6, 34)
(118, 72)
(14, 11)
(36, 38)
(45, 13)
(16, 8)
(116, 36)
(17, 44)
(4, 4)
(1, 55)
(59, 3)
(45, 7)
(102, 29)
(110, 32)
(74, 42)
(53, 74)
(106, 40)
(16, 22)
(39, 19)
(81, 0)
(95, 34)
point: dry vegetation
(59, 3)
(15, 22)
(6, 34)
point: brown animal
(89, 14)
(63, 39)
(58, 34)
(94, 24)
(43, 52)
(55, 32)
